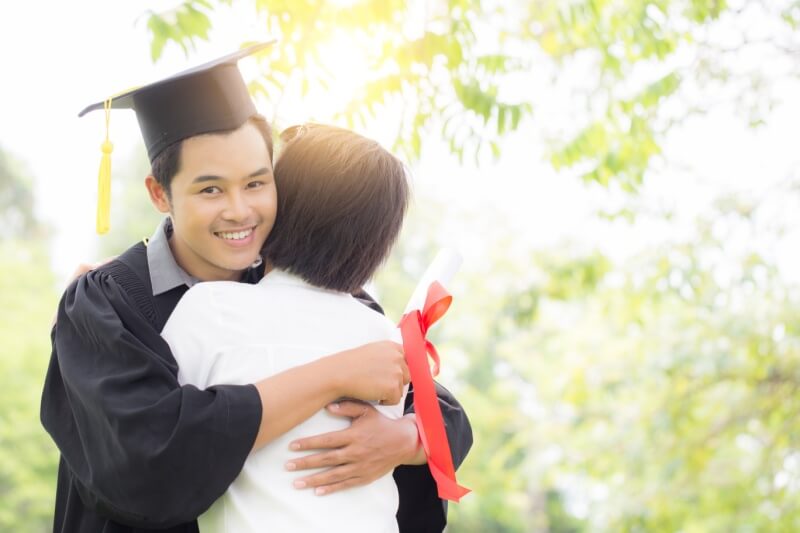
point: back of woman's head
(341, 202)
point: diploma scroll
(442, 269)
(428, 304)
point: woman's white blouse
(235, 333)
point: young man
(139, 451)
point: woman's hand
(82, 269)
(373, 372)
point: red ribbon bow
(430, 423)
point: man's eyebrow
(202, 179)
(260, 172)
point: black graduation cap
(210, 97)
(204, 99)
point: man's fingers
(350, 409)
(326, 441)
(317, 460)
(334, 475)
(335, 487)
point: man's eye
(211, 190)
(255, 184)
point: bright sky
(61, 56)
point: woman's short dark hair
(341, 202)
(168, 163)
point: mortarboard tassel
(104, 179)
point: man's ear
(157, 193)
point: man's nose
(237, 208)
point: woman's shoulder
(380, 326)
(205, 300)
(217, 291)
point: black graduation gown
(141, 452)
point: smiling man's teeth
(235, 236)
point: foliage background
(654, 389)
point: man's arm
(144, 451)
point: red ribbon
(430, 423)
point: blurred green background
(639, 373)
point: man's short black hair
(341, 202)
(168, 163)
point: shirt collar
(165, 274)
(281, 277)
(284, 278)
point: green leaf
(161, 32)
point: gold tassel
(104, 179)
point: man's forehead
(234, 154)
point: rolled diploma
(442, 269)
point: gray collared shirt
(165, 274)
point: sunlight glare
(347, 63)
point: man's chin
(241, 265)
(233, 259)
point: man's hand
(371, 447)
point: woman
(341, 203)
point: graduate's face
(222, 203)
